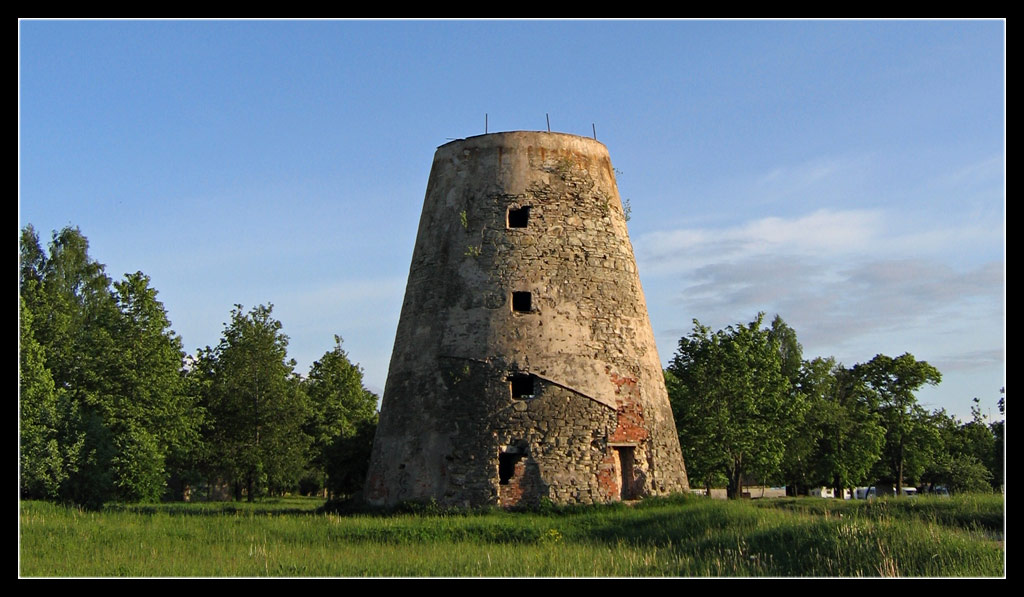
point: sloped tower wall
(524, 364)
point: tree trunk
(735, 488)
(899, 476)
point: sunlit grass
(677, 537)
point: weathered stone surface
(496, 396)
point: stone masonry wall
(504, 215)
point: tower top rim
(522, 133)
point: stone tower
(524, 364)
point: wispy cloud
(847, 281)
(984, 172)
(793, 179)
(971, 360)
(347, 294)
(821, 233)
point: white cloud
(788, 180)
(346, 294)
(987, 171)
(851, 283)
(821, 233)
(966, 361)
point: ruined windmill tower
(524, 365)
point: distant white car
(867, 493)
(822, 492)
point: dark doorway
(507, 466)
(626, 489)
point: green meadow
(689, 537)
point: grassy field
(960, 536)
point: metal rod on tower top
(485, 123)
(549, 121)
(594, 128)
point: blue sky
(847, 175)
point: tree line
(749, 407)
(113, 409)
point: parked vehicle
(938, 490)
(867, 493)
(822, 492)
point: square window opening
(518, 217)
(522, 302)
(522, 386)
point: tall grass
(674, 537)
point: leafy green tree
(115, 367)
(811, 384)
(156, 419)
(44, 462)
(909, 435)
(733, 404)
(957, 472)
(851, 435)
(977, 437)
(794, 469)
(695, 420)
(969, 475)
(958, 462)
(73, 312)
(257, 406)
(203, 463)
(340, 409)
(790, 352)
(348, 458)
(981, 442)
(995, 462)
(31, 263)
